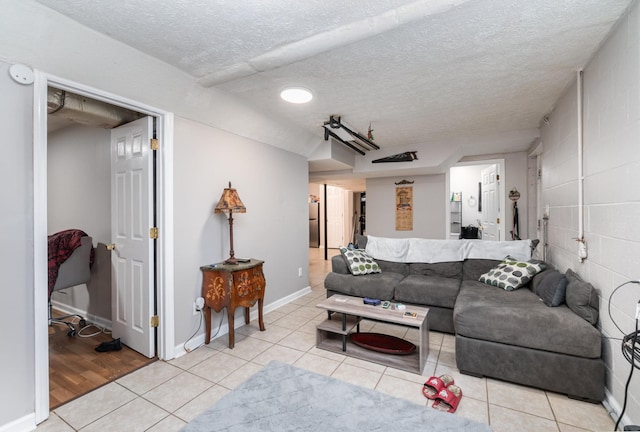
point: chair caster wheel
(71, 333)
(83, 323)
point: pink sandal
(448, 399)
(434, 384)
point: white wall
(429, 215)
(611, 192)
(272, 184)
(79, 196)
(16, 255)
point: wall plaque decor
(404, 208)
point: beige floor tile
(217, 367)
(327, 354)
(292, 322)
(176, 392)
(143, 380)
(580, 414)
(272, 333)
(397, 387)
(287, 309)
(471, 386)
(82, 411)
(306, 312)
(447, 357)
(358, 376)
(448, 341)
(568, 428)
(311, 326)
(168, 424)
(240, 375)
(508, 420)
(200, 404)
(299, 340)
(520, 398)
(248, 348)
(409, 376)
(317, 364)
(435, 338)
(54, 424)
(192, 358)
(273, 316)
(473, 409)
(434, 353)
(137, 415)
(280, 353)
(375, 367)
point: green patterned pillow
(511, 274)
(359, 261)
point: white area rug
(281, 397)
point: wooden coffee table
(332, 334)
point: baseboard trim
(23, 424)
(198, 340)
(94, 319)
(613, 408)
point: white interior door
(335, 217)
(490, 203)
(131, 219)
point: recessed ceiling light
(297, 95)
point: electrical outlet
(299, 271)
(195, 309)
(198, 305)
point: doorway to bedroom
(74, 177)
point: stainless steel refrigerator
(314, 225)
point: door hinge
(154, 144)
(498, 177)
(155, 321)
(154, 233)
(498, 220)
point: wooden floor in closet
(76, 368)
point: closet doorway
(160, 288)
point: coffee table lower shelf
(333, 341)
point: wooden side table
(231, 286)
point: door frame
(164, 259)
(501, 192)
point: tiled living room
(164, 396)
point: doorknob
(111, 246)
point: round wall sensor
(21, 74)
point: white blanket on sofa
(413, 250)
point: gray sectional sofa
(509, 335)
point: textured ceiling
(420, 72)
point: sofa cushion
(511, 274)
(582, 297)
(473, 268)
(376, 285)
(394, 267)
(520, 318)
(550, 285)
(428, 290)
(446, 269)
(359, 262)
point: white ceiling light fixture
(296, 95)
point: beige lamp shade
(230, 202)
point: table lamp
(230, 203)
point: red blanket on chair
(61, 246)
